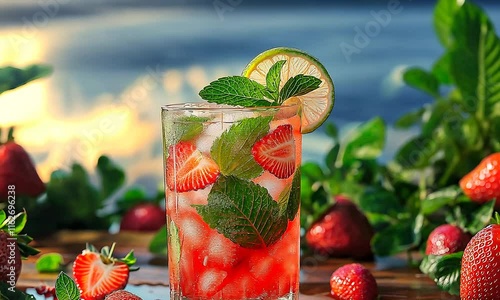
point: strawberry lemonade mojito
(232, 178)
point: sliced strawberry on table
(98, 274)
(193, 170)
(483, 182)
(275, 152)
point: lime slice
(316, 105)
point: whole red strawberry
(353, 282)
(446, 239)
(98, 274)
(17, 172)
(144, 217)
(483, 182)
(343, 231)
(122, 295)
(480, 272)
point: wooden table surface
(395, 280)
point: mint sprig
(236, 90)
(289, 198)
(242, 91)
(244, 212)
(66, 288)
(232, 151)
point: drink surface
(232, 192)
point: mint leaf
(11, 78)
(298, 85)
(289, 198)
(188, 127)
(175, 242)
(232, 151)
(49, 263)
(244, 212)
(66, 288)
(236, 90)
(112, 176)
(447, 275)
(273, 78)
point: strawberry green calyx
(496, 218)
(107, 258)
(13, 226)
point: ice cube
(221, 252)
(193, 232)
(273, 184)
(210, 282)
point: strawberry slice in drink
(275, 152)
(193, 170)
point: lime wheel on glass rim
(315, 105)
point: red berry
(17, 169)
(275, 152)
(122, 295)
(343, 231)
(193, 170)
(446, 239)
(143, 217)
(483, 182)
(353, 282)
(98, 275)
(480, 274)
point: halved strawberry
(99, 274)
(275, 152)
(193, 170)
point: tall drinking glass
(232, 186)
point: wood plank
(394, 278)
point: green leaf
(443, 19)
(312, 170)
(429, 264)
(364, 142)
(175, 241)
(409, 119)
(243, 212)
(495, 130)
(435, 118)
(66, 288)
(112, 176)
(422, 80)
(131, 197)
(236, 90)
(475, 58)
(394, 239)
(158, 244)
(378, 200)
(20, 221)
(298, 85)
(129, 259)
(441, 69)
(289, 198)
(447, 275)
(232, 151)
(417, 153)
(472, 216)
(11, 78)
(3, 217)
(49, 263)
(8, 292)
(183, 128)
(331, 130)
(273, 78)
(439, 199)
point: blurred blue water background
(103, 51)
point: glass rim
(207, 106)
